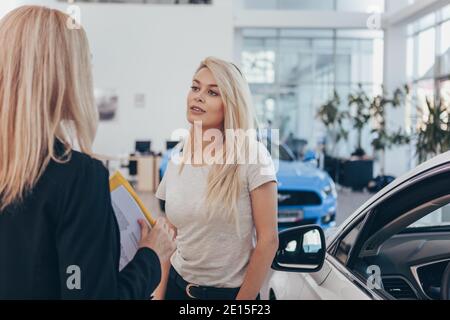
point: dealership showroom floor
(356, 93)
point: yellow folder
(117, 180)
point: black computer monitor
(170, 144)
(143, 147)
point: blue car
(306, 194)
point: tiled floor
(348, 202)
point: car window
(385, 271)
(347, 242)
(437, 218)
(384, 266)
(284, 154)
(280, 152)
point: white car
(395, 246)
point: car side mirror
(301, 249)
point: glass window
(437, 218)
(426, 53)
(444, 54)
(259, 33)
(290, 4)
(286, 114)
(423, 23)
(427, 21)
(360, 5)
(286, 154)
(296, 61)
(444, 89)
(424, 91)
(428, 60)
(259, 65)
(346, 55)
(378, 61)
(306, 4)
(258, 60)
(347, 243)
(293, 74)
(410, 29)
(306, 33)
(325, 5)
(446, 13)
(279, 107)
(410, 59)
(323, 61)
(357, 59)
(258, 4)
(343, 67)
(359, 34)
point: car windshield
(437, 218)
(280, 152)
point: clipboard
(117, 180)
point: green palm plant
(433, 133)
(383, 139)
(360, 112)
(333, 119)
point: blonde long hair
(224, 182)
(46, 93)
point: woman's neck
(199, 145)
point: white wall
(6, 5)
(154, 50)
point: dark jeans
(177, 290)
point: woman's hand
(160, 238)
(164, 223)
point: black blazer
(67, 220)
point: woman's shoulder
(77, 166)
(260, 167)
(258, 154)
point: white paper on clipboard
(128, 213)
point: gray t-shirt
(210, 252)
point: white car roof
(434, 162)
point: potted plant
(433, 131)
(382, 138)
(333, 118)
(359, 105)
(366, 109)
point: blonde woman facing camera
(59, 238)
(215, 201)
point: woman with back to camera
(59, 237)
(216, 206)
